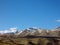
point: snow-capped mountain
(32, 31)
(11, 30)
(36, 32)
(39, 32)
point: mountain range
(35, 32)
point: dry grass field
(5, 40)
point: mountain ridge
(35, 32)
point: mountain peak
(58, 27)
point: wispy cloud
(58, 20)
(8, 31)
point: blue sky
(29, 13)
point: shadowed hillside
(31, 36)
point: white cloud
(58, 20)
(13, 29)
(8, 31)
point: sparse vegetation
(8, 40)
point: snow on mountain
(11, 30)
(31, 31)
